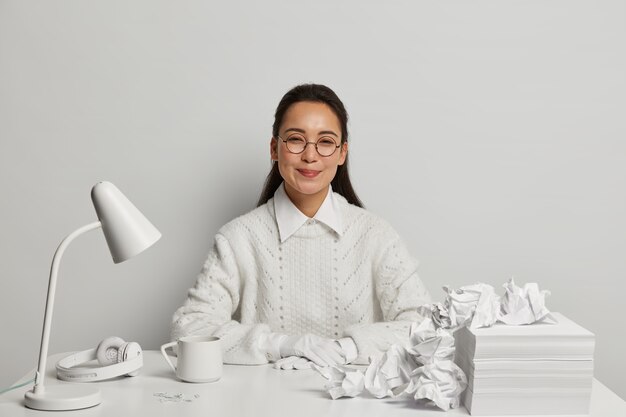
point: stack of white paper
(539, 368)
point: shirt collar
(290, 219)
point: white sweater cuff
(349, 348)
(270, 344)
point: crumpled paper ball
(342, 381)
(439, 383)
(388, 374)
(429, 343)
(474, 305)
(523, 305)
(438, 313)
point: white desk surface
(245, 391)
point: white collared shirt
(290, 218)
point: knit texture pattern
(362, 284)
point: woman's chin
(309, 187)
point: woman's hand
(320, 350)
(293, 363)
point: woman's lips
(308, 173)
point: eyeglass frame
(307, 143)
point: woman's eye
(327, 142)
(295, 140)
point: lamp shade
(126, 229)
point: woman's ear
(343, 154)
(274, 149)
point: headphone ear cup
(108, 350)
(129, 351)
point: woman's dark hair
(321, 94)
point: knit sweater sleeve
(213, 303)
(400, 292)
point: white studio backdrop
(489, 133)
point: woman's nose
(310, 153)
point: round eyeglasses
(325, 146)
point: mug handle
(165, 346)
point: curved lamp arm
(47, 321)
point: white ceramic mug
(199, 358)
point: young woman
(308, 275)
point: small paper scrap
(165, 397)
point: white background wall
(490, 134)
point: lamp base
(63, 397)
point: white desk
(245, 391)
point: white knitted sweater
(362, 284)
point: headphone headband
(67, 369)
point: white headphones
(116, 356)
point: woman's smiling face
(308, 174)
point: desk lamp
(127, 234)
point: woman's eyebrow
(294, 129)
(323, 132)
